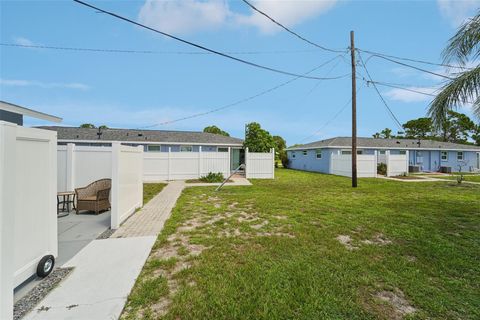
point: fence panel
(341, 164)
(127, 182)
(28, 221)
(260, 165)
(215, 162)
(397, 164)
(155, 166)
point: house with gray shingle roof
(424, 155)
(153, 140)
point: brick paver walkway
(150, 220)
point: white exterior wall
(397, 164)
(160, 166)
(127, 182)
(341, 164)
(260, 165)
(28, 220)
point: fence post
(375, 162)
(246, 162)
(387, 160)
(169, 160)
(140, 187)
(114, 218)
(199, 161)
(407, 155)
(229, 170)
(7, 214)
(70, 183)
(273, 162)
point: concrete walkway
(105, 270)
(150, 220)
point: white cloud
(23, 41)
(186, 16)
(410, 96)
(287, 12)
(45, 85)
(458, 11)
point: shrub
(284, 159)
(382, 168)
(212, 177)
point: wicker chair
(94, 197)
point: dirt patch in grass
(408, 177)
(346, 241)
(396, 300)
(378, 239)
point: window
(402, 152)
(318, 153)
(346, 152)
(222, 149)
(304, 152)
(444, 155)
(359, 151)
(186, 148)
(382, 151)
(460, 155)
(293, 154)
(153, 148)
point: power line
(379, 94)
(148, 51)
(290, 31)
(399, 87)
(331, 119)
(409, 66)
(412, 60)
(200, 46)
(243, 100)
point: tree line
(456, 127)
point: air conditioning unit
(446, 169)
(413, 168)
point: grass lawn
(307, 246)
(150, 190)
(467, 177)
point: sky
(173, 81)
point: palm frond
(465, 43)
(462, 90)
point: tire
(45, 266)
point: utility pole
(354, 112)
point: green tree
(103, 126)
(384, 134)
(87, 125)
(216, 130)
(421, 128)
(280, 153)
(476, 134)
(457, 127)
(258, 139)
(465, 85)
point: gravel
(29, 301)
(106, 234)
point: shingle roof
(145, 136)
(385, 143)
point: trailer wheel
(45, 266)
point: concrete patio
(74, 233)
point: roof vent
(140, 134)
(398, 142)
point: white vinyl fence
(260, 165)
(127, 182)
(341, 164)
(28, 219)
(397, 164)
(159, 166)
(79, 166)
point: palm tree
(465, 85)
